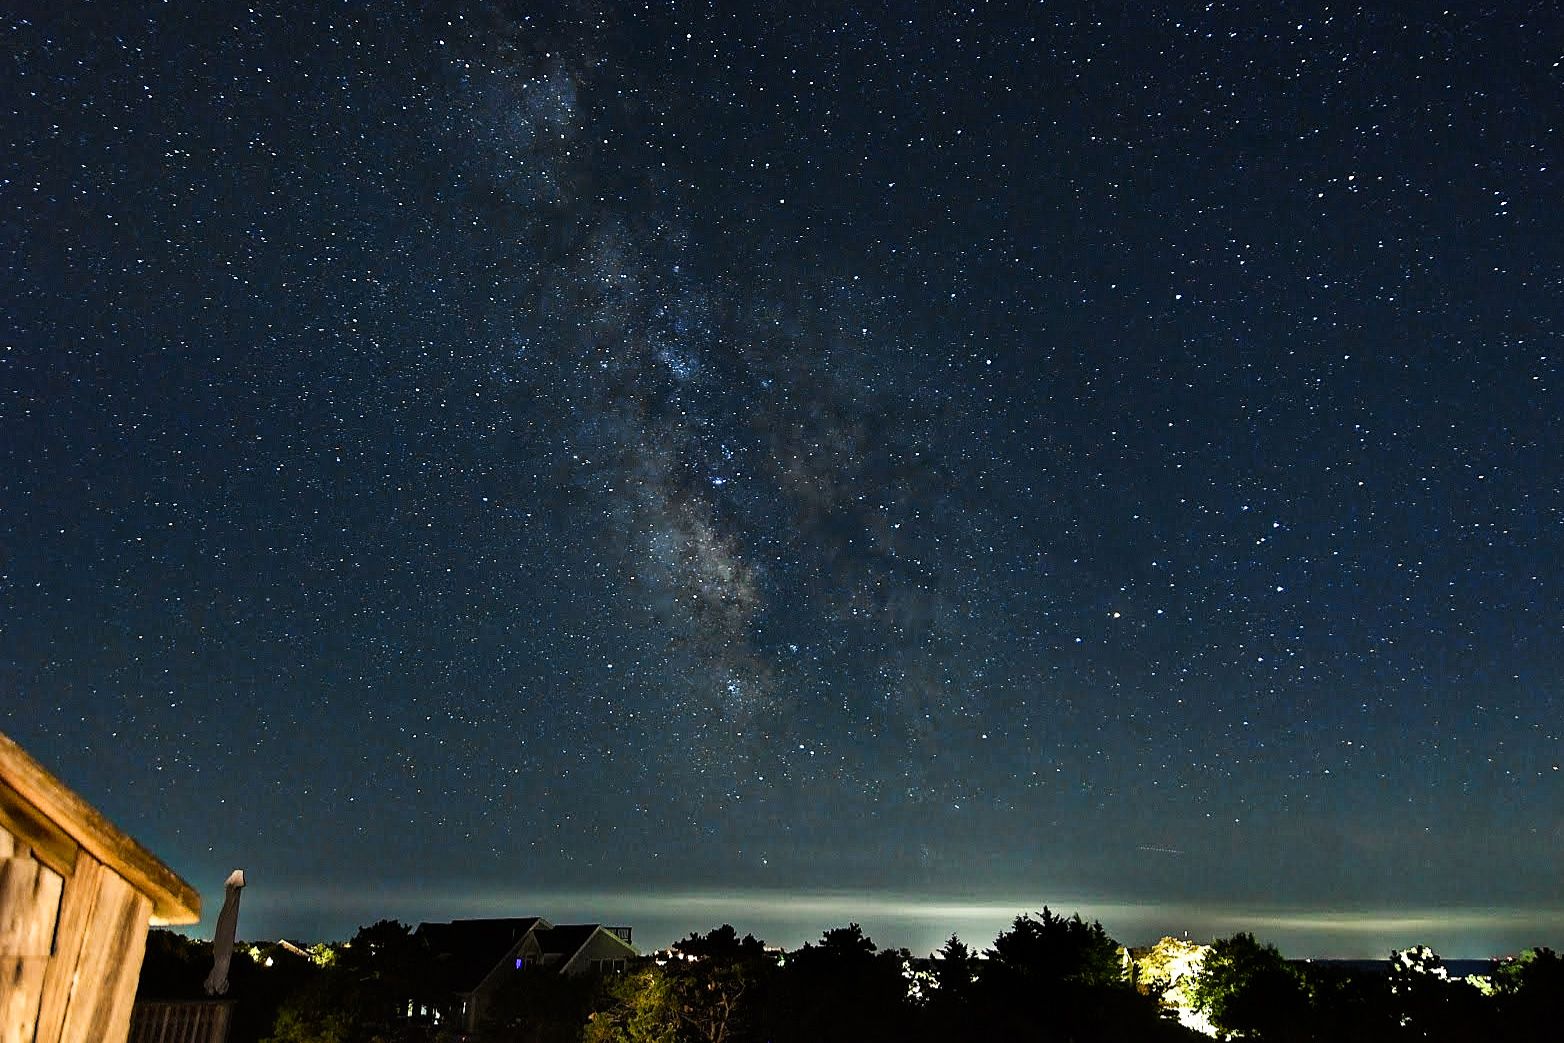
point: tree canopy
(1046, 976)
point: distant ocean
(1455, 968)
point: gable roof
(565, 940)
(465, 951)
(573, 940)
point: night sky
(797, 463)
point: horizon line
(1351, 925)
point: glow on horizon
(790, 918)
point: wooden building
(76, 897)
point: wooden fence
(180, 1021)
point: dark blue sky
(1042, 453)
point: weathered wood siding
(29, 908)
(76, 897)
(70, 950)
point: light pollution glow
(790, 918)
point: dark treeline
(1047, 977)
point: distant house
(473, 959)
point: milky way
(747, 454)
(965, 452)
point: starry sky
(683, 462)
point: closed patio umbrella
(223, 936)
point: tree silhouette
(363, 996)
(1529, 994)
(707, 990)
(840, 990)
(1247, 989)
(1052, 977)
(1048, 950)
(540, 1005)
(955, 972)
(1430, 1005)
(714, 978)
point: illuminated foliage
(1167, 971)
(1247, 989)
(641, 1008)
